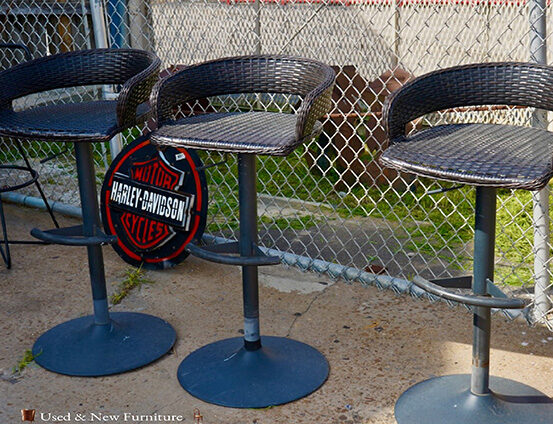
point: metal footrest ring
(73, 236)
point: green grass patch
(514, 238)
(27, 359)
(430, 221)
(296, 223)
(134, 277)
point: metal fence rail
(330, 201)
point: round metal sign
(155, 200)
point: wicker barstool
(488, 156)
(29, 176)
(103, 343)
(253, 371)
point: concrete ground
(377, 344)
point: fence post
(397, 33)
(101, 40)
(139, 32)
(257, 27)
(538, 54)
(98, 23)
(118, 26)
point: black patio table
(102, 343)
(488, 156)
(253, 371)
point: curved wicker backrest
(507, 83)
(249, 74)
(79, 68)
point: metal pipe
(351, 274)
(98, 14)
(86, 28)
(334, 270)
(484, 254)
(38, 203)
(542, 302)
(538, 53)
(257, 26)
(291, 259)
(397, 33)
(247, 193)
(5, 252)
(91, 222)
(538, 30)
(305, 263)
(139, 31)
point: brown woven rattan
(478, 154)
(264, 133)
(135, 70)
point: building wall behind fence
(330, 199)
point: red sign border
(199, 203)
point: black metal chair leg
(37, 184)
(252, 371)
(33, 179)
(478, 397)
(5, 251)
(103, 343)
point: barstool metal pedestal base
(448, 399)
(225, 373)
(81, 348)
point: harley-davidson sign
(163, 205)
(155, 201)
(147, 208)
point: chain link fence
(329, 202)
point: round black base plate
(448, 400)
(79, 347)
(226, 374)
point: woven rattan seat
(479, 154)
(87, 121)
(135, 71)
(263, 133)
(249, 132)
